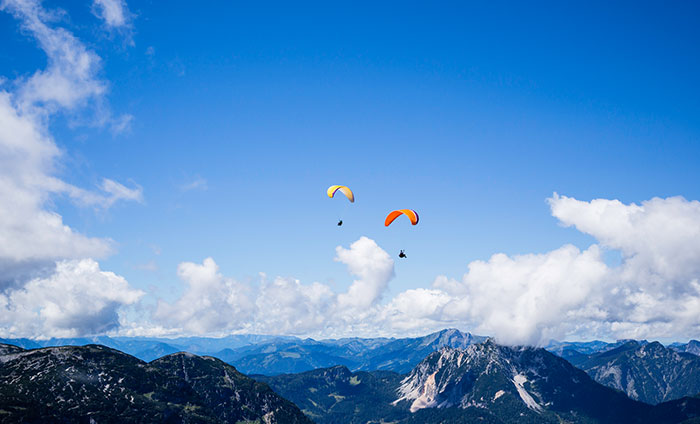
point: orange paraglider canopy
(410, 213)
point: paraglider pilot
(340, 223)
(401, 254)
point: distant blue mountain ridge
(273, 355)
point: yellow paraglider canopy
(410, 213)
(346, 191)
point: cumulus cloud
(520, 299)
(526, 298)
(417, 311)
(33, 237)
(214, 304)
(285, 306)
(655, 290)
(211, 302)
(530, 299)
(78, 299)
(659, 239)
(372, 265)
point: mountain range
(483, 382)
(692, 346)
(648, 372)
(329, 379)
(96, 384)
(270, 355)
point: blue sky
(241, 115)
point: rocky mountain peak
(492, 377)
(649, 372)
(462, 377)
(448, 337)
(693, 347)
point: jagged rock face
(531, 382)
(650, 373)
(692, 346)
(98, 384)
(451, 377)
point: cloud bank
(521, 299)
(214, 304)
(653, 293)
(77, 299)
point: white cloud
(653, 293)
(114, 12)
(530, 299)
(69, 78)
(521, 299)
(659, 239)
(78, 299)
(655, 290)
(285, 306)
(211, 303)
(49, 283)
(214, 304)
(527, 298)
(416, 311)
(33, 237)
(117, 192)
(372, 265)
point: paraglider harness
(401, 254)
